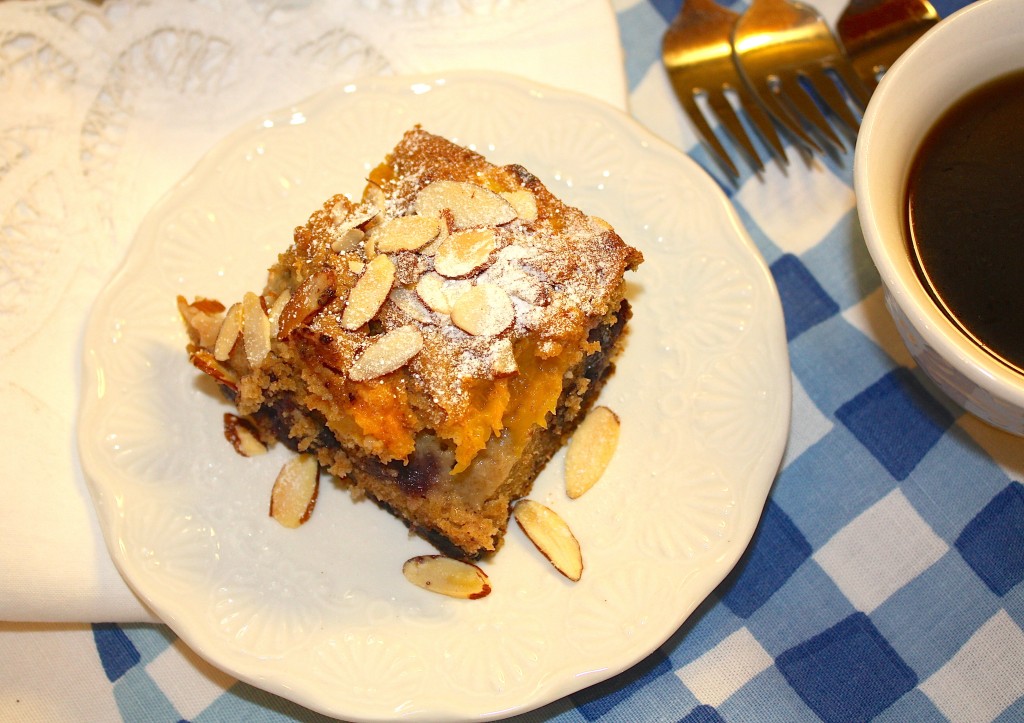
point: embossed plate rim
(387, 624)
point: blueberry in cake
(433, 343)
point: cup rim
(890, 258)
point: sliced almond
(295, 491)
(387, 353)
(276, 309)
(503, 361)
(471, 205)
(357, 219)
(447, 576)
(313, 294)
(411, 305)
(440, 294)
(228, 334)
(484, 310)
(243, 436)
(373, 196)
(447, 223)
(524, 285)
(204, 316)
(406, 233)
(368, 294)
(590, 450)
(465, 252)
(255, 330)
(206, 306)
(552, 536)
(356, 266)
(348, 240)
(524, 202)
(204, 361)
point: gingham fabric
(885, 579)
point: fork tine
(826, 87)
(697, 53)
(783, 114)
(758, 116)
(853, 82)
(706, 133)
(796, 94)
(727, 117)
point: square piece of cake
(432, 344)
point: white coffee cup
(979, 43)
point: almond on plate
(447, 576)
(590, 450)
(295, 490)
(243, 436)
(552, 536)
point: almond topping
(203, 361)
(552, 537)
(348, 240)
(447, 576)
(387, 353)
(406, 233)
(484, 310)
(243, 436)
(430, 289)
(503, 361)
(204, 317)
(447, 223)
(471, 205)
(255, 330)
(276, 309)
(313, 294)
(228, 334)
(524, 202)
(369, 293)
(409, 302)
(207, 306)
(440, 294)
(590, 450)
(295, 490)
(373, 196)
(357, 219)
(465, 252)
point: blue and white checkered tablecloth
(886, 579)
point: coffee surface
(965, 215)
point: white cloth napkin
(106, 106)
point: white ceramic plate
(322, 614)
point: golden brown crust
(424, 336)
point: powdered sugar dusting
(560, 270)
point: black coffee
(965, 215)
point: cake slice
(433, 343)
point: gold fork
(785, 51)
(876, 32)
(697, 53)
